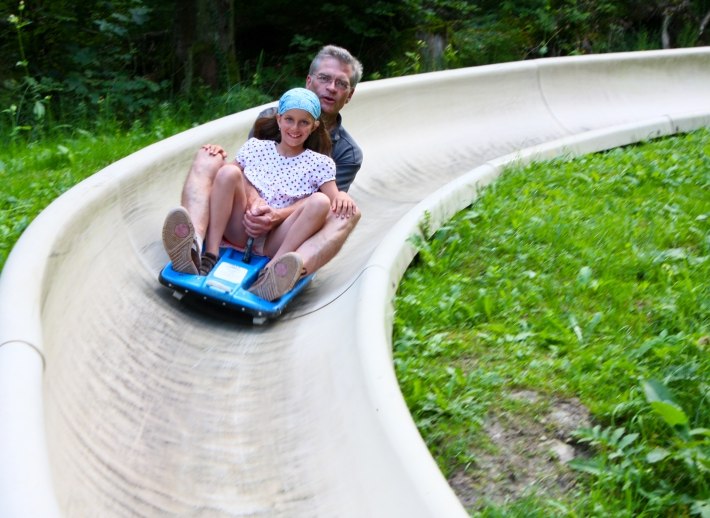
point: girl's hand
(343, 205)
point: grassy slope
(575, 280)
(35, 174)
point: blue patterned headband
(302, 99)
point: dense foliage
(75, 62)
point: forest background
(85, 84)
(69, 66)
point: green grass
(584, 280)
(34, 171)
(33, 175)
(40, 162)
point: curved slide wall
(116, 400)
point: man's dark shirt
(346, 154)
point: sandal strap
(207, 263)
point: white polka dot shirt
(280, 180)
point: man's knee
(355, 217)
(206, 165)
(349, 223)
(344, 226)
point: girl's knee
(319, 203)
(228, 174)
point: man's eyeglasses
(326, 79)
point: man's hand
(214, 150)
(343, 205)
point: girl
(284, 165)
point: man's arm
(347, 156)
(345, 175)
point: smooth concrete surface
(117, 400)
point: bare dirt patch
(525, 455)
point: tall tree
(204, 43)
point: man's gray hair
(342, 55)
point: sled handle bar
(247, 250)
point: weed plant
(577, 278)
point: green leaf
(616, 435)
(657, 455)
(584, 275)
(656, 391)
(628, 439)
(702, 508)
(39, 110)
(587, 466)
(670, 412)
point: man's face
(331, 83)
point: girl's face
(296, 125)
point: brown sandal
(207, 263)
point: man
(333, 76)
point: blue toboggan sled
(227, 284)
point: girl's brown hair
(267, 128)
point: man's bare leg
(321, 247)
(197, 188)
(182, 239)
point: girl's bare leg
(286, 265)
(227, 206)
(305, 221)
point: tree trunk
(204, 43)
(704, 24)
(665, 33)
(433, 51)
